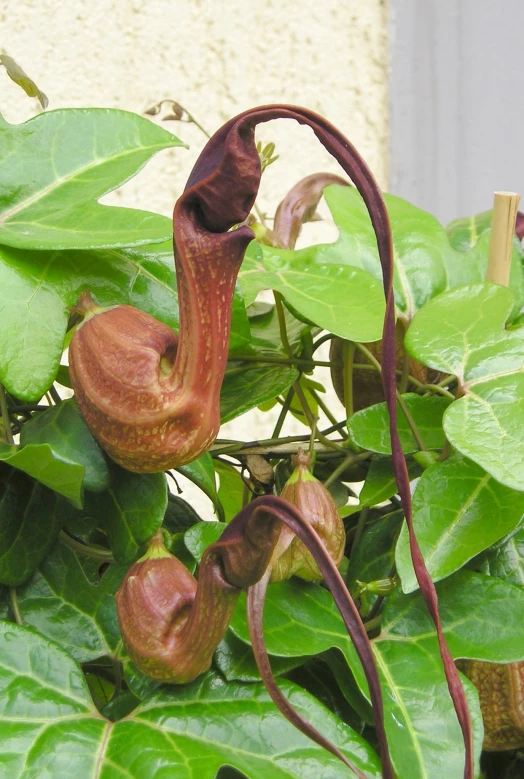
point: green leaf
(49, 467)
(380, 483)
(18, 75)
(479, 615)
(37, 288)
(487, 423)
(345, 300)
(464, 233)
(236, 661)
(200, 536)
(131, 510)
(230, 490)
(265, 328)
(374, 554)
(202, 473)
(51, 728)
(246, 385)
(63, 428)
(62, 604)
(180, 515)
(31, 517)
(458, 511)
(369, 428)
(506, 560)
(426, 263)
(58, 164)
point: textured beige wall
(216, 57)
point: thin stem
(380, 599)
(322, 340)
(15, 606)
(438, 390)
(282, 360)
(411, 422)
(239, 446)
(346, 462)
(323, 407)
(283, 413)
(54, 394)
(406, 364)
(348, 361)
(310, 418)
(4, 413)
(96, 552)
(282, 324)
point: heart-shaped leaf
(236, 661)
(369, 428)
(487, 424)
(37, 288)
(345, 300)
(62, 604)
(50, 726)
(451, 504)
(63, 428)
(31, 517)
(56, 166)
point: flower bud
(501, 695)
(303, 490)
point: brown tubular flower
(170, 623)
(164, 432)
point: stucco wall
(216, 57)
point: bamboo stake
(505, 205)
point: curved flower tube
(166, 413)
(171, 625)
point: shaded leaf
(202, 473)
(131, 510)
(62, 604)
(180, 515)
(246, 385)
(380, 483)
(58, 164)
(63, 428)
(31, 517)
(374, 554)
(458, 511)
(506, 560)
(369, 428)
(51, 728)
(487, 423)
(50, 468)
(236, 661)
